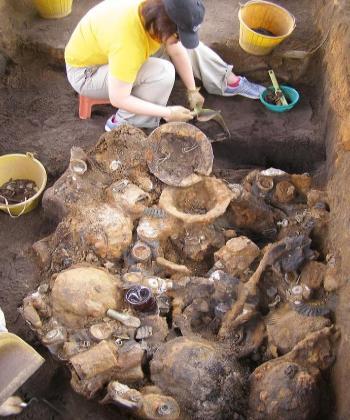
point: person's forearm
(139, 106)
(183, 67)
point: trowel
(206, 114)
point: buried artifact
(179, 153)
(172, 300)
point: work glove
(195, 99)
(178, 113)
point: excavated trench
(313, 138)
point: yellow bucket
(20, 166)
(260, 15)
(53, 9)
(18, 361)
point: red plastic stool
(85, 105)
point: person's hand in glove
(195, 99)
(178, 113)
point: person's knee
(167, 72)
(157, 71)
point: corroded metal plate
(179, 154)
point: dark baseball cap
(188, 15)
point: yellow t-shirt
(112, 32)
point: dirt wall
(15, 16)
(335, 78)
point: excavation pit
(313, 137)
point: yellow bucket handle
(30, 155)
(241, 5)
(14, 216)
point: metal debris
(144, 332)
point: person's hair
(156, 20)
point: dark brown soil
(274, 98)
(120, 148)
(263, 31)
(17, 191)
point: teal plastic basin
(291, 95)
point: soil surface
(39, 114)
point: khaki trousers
(154, 81)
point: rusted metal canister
(141, 299)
